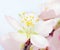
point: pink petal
(55, 41)
(48, 14)
(10, 43)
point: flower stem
(51, 34)
(27, 45)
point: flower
(48, 14)
(55, 41)
(30, 27)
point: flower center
(29, 20)
(29, 23)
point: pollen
(31, 48)
(25, 19)
(29, 23)
(58, 25)
(31, 17)
(22, 46)
(23, 13)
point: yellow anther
(25, 19)
(31, 48)
(57, 25)
(32, 17)
(22, 21)
(23, 13)
(21, 46)
(29, 23)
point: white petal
(52, 22)
(46, 27)
(4, 37)
(19, 37)
(43, 29)
(39, 41)
(13, 22)
(12, 41)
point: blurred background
(14, 7)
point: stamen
(29, 23)
(23, 13)
(58, 25)
(31, 48)
(32, 17)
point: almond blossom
(30, 27)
